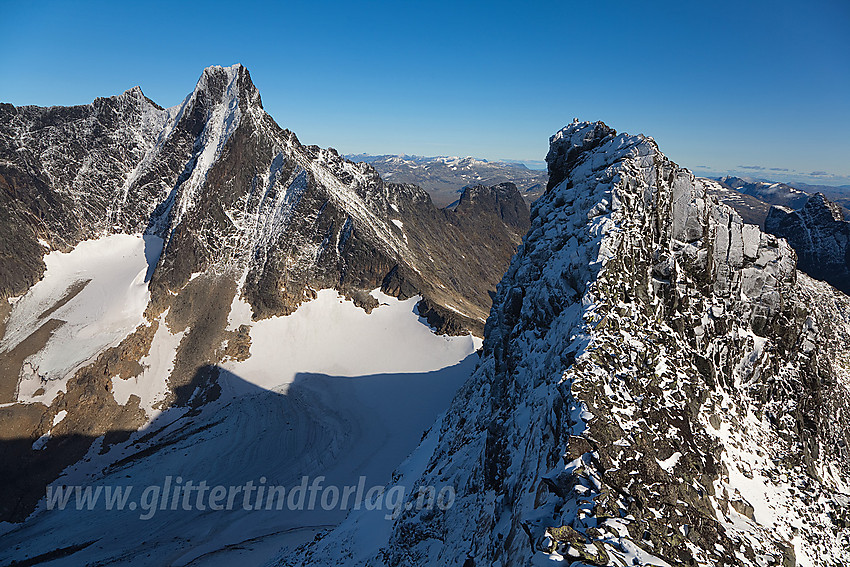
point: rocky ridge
(658, 385)
(245, 212)
(61, 170)
(225, 186)
(819, 235)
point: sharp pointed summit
(627, 374)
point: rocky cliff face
(61, 172)
(229, 191)
(819, 235)
(244, 212)
(658, 386)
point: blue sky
(749, 87)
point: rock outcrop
(819, 235)
(658, 385)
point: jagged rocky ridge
(753, 199)
(227, 187)
(819, 235)
(61, 171)
(659, 385)
(244, 211)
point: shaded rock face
(61, 168)
(658, 385)
(819, 235)
(502, 201)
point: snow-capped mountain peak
(176, 236)
(658, 386)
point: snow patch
(330, 335)
(151, 386)
(669, 463)
(59, 417)
(103, 311)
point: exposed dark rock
(819, 235)
(648, 355)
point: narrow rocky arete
(659, 385)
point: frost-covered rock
(62, 169)
(658, 386)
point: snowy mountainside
(752, 209)
(659, 385)
(216, 219)
(214, 173)
(329, 390)
(774, 193)
(754, 194)
(61, 168)
(289, 219)
(444, 177)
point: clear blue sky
(719, 85)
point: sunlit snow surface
(329, 390)
(330, 335)
(102, 313)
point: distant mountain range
(752, 198)
(445, 177)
